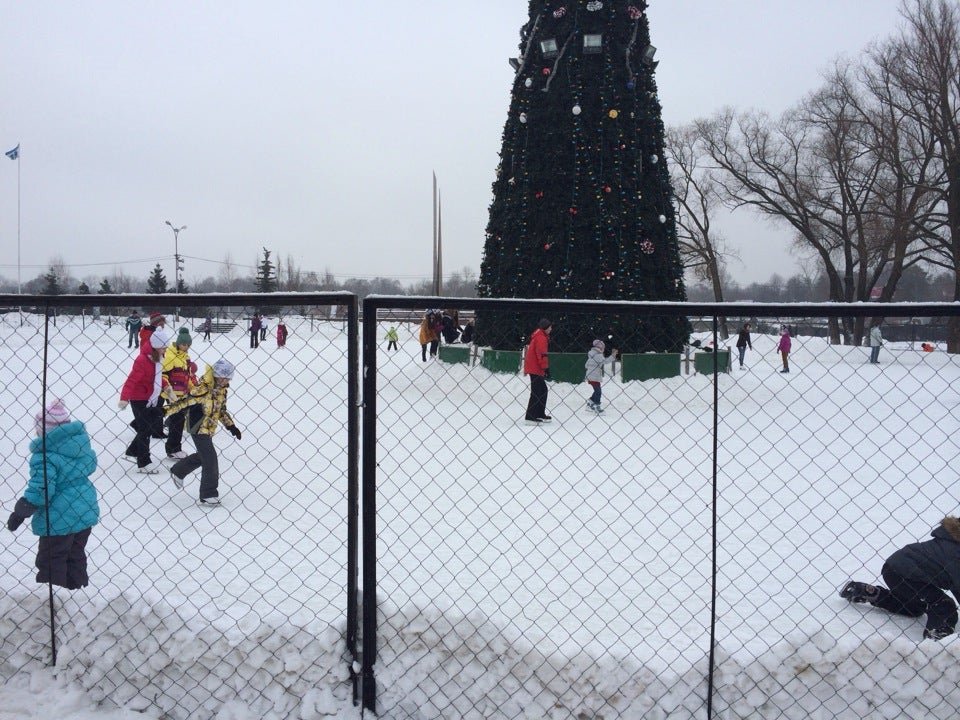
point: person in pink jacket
(536, 364)
(783, 347)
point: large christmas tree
(582, 201)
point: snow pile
(148, 658)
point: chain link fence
(190, 608)
(669, 544)
(676, 551)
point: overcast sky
(312, 128)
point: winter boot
(858, 592)
(936, 633)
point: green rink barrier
(455, 354)
(650, 366)
(567, 367)
(703, 362)
(501, 361)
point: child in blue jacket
(62, 500)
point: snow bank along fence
(190, 607)
(677, 555)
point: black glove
(546, 374)
(21, 511)
(235, 431)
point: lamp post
(176, 258)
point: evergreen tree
(105, 288)
(157, 282)
(52, 283)
(266, 274)
(83, 289)
(182, 287)
(582, 204)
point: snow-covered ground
(556, 571)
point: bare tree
(922, 68)
(227, 276)
(702, 250)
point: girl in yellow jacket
(206, 406)
(177, 381)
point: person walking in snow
(133, 325)
(392, 338)
(536, 364)
(141, 392)
(743, 342)
(917, 575)
(783, 347)
(281, 333)
(428, 336)
(60, 497)
(594, 372)
(207, 327)
(263, 330)
(876, 342)
(255, 324)
(176, 382)
(206, 406)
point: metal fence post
(353, 488)
(369, 493)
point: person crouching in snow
(206, 406)
(594, 372)
(142, 392)
(917, 575)
(60, 497)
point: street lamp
(176, 254)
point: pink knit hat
(57, 414)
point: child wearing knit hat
(594, 372)
(60, 497)
(177, 381)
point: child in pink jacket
(783, 347)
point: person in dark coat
(207, 327)
(743, 341)
(467, 335)
(133, 325)
(917, 575)
(255, 324)
(449, 329)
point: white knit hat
(223, 369)
(57, 414)
(159, 339)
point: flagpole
(19, 290)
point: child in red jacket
(142, 391)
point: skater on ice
(133, 325)
(206, 407)
(281, 333)
(60, 493)
(743, 342)
(177, 379)
(917, 575)
(536, 364)
(141, 392)
(876, 342)
(783, 347)
(594, 372)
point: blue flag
(13, 154)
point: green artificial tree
(266, 280)
(582, 204)
(157, 282)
